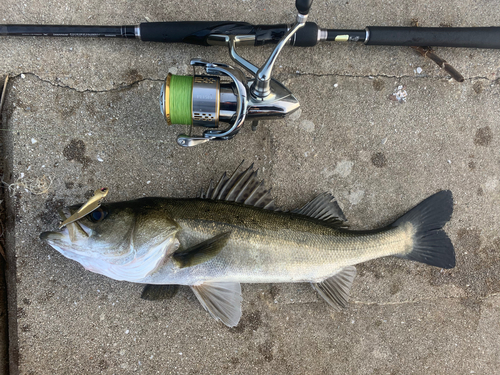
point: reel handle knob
(303, 6)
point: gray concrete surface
(83, 113)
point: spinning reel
(206, 101)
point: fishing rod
(206, 100)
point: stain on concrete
(88, 194)
(295, 115)
(491, 184)
(75, 151)
(234, 361)
(395, 288)
(378, 84)
(133, 75)
(343, 168)
(469, 238)
(274, 292)
(21, 313)
(355, 197)
(46, 297)
(25, 328)
(307, 125)
(379, 269)
(266, 349)
(18, 103)
(379, 160)
(103, 364)
(250, 322)
(472, 303)
(52, 206)
(478, 87)
(72, 102)
(483, 136)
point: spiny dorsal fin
(324, 207)
(335, 290)
(241, 187)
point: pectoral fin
(153, 292)
(201, 252)
(335, 290)
(221, 300)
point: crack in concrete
(395, 303)
(288, 75)
(447, 78)
(419, 300)
(122, 87)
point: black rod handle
(466, 37)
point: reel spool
(191, 100)
(206, 101)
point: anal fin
(221, 299)
(335, 290)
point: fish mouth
(69, 234)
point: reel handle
(303, 6)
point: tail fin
(432, 245)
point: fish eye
(97, 215)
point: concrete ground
(83, 113)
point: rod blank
(68, 31)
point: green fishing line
(181, 88)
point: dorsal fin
(243, 187)
(325, 208)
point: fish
(232, 233)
